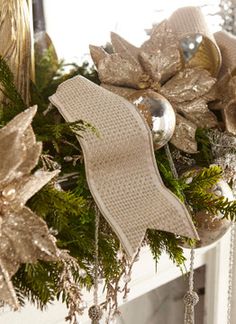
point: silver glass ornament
(190, 45)
(158, 113)
(211, 227)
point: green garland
(70, 213)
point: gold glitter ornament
(24, 237)
(158, 113)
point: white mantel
(145, 279)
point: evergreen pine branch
(160, 241)
(37, 282)
(203, 179)
(204, 156)
(46, 66)
(65, 203)
(8, 87)
(200, 196)
(50, 132)
(175, 185)
(73, 217)
(50, 73)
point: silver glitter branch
(72, 289)
(95, 312)
(223, 147)
(228, 15)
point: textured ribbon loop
(227, 45)
(226, 85)
(189, 21)
(120, 164)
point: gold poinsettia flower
(159, 65)
(24, 237)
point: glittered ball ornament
(95, 314)
(191, 298)
(212, 227)
(158, 113)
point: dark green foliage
(162, 241)
(175, 185)
(38, 282)
(46, 66)
(204, 156)
(50, 73)
(8, 88)
(15, 103)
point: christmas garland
(66, 204)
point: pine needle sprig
(8, 88)
(62, 130)
(200, 194)
(160, 242)
(204, 157)
(175, 185)
(28, 282)
(202, 179)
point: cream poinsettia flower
(24, 237)
(158, 65)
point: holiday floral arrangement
(58, 230)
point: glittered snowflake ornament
(24, 237)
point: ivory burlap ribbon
(120, 164)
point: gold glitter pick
(184, 135)
(125, 49)
(197, 112)
(116, 70)
(158, 65)
(24, 237)
(97, 54)
(188, 84)
(160, 55)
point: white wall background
(74, 24)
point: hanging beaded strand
(95, 312)
(231, 267)
(191, 297)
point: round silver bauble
(158, 113)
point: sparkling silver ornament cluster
(223, 147)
